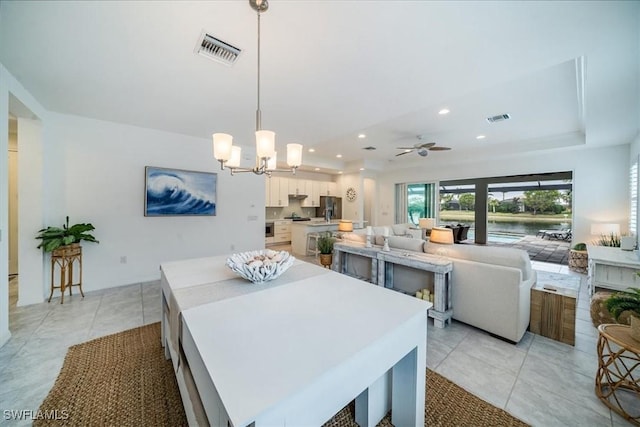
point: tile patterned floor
(541, 381)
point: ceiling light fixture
(229, 155)
(362, 136)
(443, 111)
(312, 150)
(339, 156)
(480, 137)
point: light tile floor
(541, 381)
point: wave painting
(179, 192)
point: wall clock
(351, 194)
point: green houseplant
(325, 247)
(57, 237)
(628, 300)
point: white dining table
(295, 352)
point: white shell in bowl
(260, 266)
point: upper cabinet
(298, 186)
(328, 188)
(313, 195)
(277, 192)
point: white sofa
(491, 286)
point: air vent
(213, 48)
(498, 118)
(369, 148)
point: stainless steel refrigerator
(332, 204)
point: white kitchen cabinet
(282, 231)
(313, 195)
(328, 188)
(297, 186)
(277, 192)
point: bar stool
(312, 238)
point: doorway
(13, 210)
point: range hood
(298, 196)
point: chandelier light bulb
(222, 146)
(294, 155)
(234, 160)
(272, 162)
(265, 143)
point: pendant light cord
(258, 112)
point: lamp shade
(345, 225)
(222, 146)
(272, 163)
(265, 143)
(426, 223)
(294, 155)
(605, 229)
(234, 160)
(441, 235)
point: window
(415, 201)
(633, 198)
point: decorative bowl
(260, 266)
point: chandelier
(229, 155)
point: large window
(633, 198)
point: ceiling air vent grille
(498, 118)
(213, 48)
(369, 148)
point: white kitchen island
(293, 351)
(300, 229)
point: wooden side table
(618, 380)
(553, 307)
(64, 257)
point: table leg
(441, 311)
(408, 390)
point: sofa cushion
(507, 257)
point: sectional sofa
(491, 286)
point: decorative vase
(635, 327)
(326, 259)
(578, 261)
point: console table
(382, 263)
(612, 268)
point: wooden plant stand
(64, 257)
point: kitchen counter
(300, 229)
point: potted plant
(325, 246)
(623, 301)
(57, 238)
(578, 258)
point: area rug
(124, 380)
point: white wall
(97, 173)
(600, 182)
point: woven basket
(67, 251)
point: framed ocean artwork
(177, 192)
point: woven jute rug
(124, 380)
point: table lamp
(345, 226)
(442, 236)
(426, 224)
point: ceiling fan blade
(439, 148)
(404, 152)
(426, 145)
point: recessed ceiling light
(317, 169)
(443, 111)
(361, 169)
(408, 150)
(312, 150)
(339, 156)
(480, 137)
(340, 172)
(362, 136)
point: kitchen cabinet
(282, 231)
(313, 195)
(277, 192)
(297, 186)
(328, 188)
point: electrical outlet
(123, 259)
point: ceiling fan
(422, 148)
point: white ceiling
(567, 72)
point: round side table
(618, 377)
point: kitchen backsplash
(294, 207)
